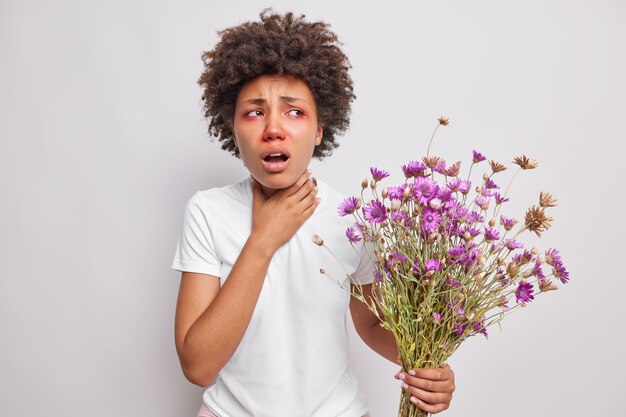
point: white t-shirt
(293, 358)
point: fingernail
(402, 376)
(396, 375)
(404, 385)
(314, 180)
(411, 372)
(308, 171)
(413, 400)
(315, 188)
(317, 200)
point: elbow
(201, 378)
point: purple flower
(474, 217)
(459, 329)
(500, 199)
(440, 167)
(452, 282)
(490, 184)
(524, 257)
(477, 157)
(452, 170)
(491, 234)
(375, 212)
(348, 206)
(436, 317)
(459, 311)
(457, 254)
(471, 231)
(459, 185)
(424, 189)
(433, 265)
(479, 327)
(401, 217)
(512, 244)
(537, 271)
(396, 193)
(486, 192)
(552, 257)
(482, 202)
(560, 272)
(378, 174)
(524, 293)
(352, 235)
(507, 222)
(378, 276)
(413, 169)
(430, 221)
(397, 256)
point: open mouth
(276, 157)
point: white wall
(102, 141)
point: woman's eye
(296, 112)
(254, 113)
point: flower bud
(373, 185)
(492, 222)
(485, 176)
(317, 240)
(395, 204)
(467, 236)
(534, 250)
(322, 271)
(407, 192)
(384, 194)
(364, 183)
(435, 204)
(480, 278)
(479, 190)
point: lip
(277, 166)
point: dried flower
(375, 212)
(536, 220)
(431, 161)
(443, 121)
(546, 200)
(317, 240)
(496, 166)
(413, 169)
(524, 293)
(525, 163)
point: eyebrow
(287, 99)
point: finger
(307, 189)
(435, 374)
(429, 408)
(428, 384)
(427, 396)
(295, 187)
(308, 212)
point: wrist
(260, 246)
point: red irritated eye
(296, 112)
(253, 113)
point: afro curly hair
(278, 45)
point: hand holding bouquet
(448, 263)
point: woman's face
(276, 130)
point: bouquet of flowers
(448, 264)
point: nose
(274, 127)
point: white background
(102, 142)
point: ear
(319, 134)
(235, 141)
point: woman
(255, 321)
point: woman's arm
(211, 321)
(431, 389)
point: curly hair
(278, 45)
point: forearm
(382, 342)
(215, 335)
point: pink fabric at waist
(205, 412)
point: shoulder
(222, 197)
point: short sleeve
(364, 273)
(195, 250)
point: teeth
(276, 154)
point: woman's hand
(430, 388)
(276, 219)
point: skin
(274, 111)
